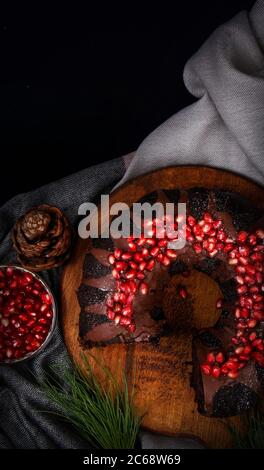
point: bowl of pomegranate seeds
(27, 314)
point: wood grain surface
(162, 372)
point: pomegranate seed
(141, 241)
(126, 256)
(151, 241)
(219, 357)
(224, 370)
(217, 224)
(171, 254)
(250, 269)
(165, 261)
(120, 266)
(115, 274)
(197, 248)
(191, 221)
(140, 276)
(131, 328)
(228, 247)
(154, 251)
(233, 262)
(232, 374)
(260, 234)
(242, 290)
(118, 253)
(117, 319)
(46, 299)
(240, 269)
(143, 288)
(239, 350)
(252, 239)
(242, 237)
(206, 368)
(251, 323)
(216, 371)
(145, 253)
(9, 271)
(247, 349)
(127, 311)
(239, 280)
(150, 265)
(210, 358)
(252, 336)
(183, 293)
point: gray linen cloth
(224, 128)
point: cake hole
(198, 310)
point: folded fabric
(224, 128)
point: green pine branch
(106, 418)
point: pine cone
(42, 238)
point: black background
(83, 86)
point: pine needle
(104, 417)
(253, 436)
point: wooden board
(163, 394)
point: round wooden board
(164, 394)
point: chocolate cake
(125, 280)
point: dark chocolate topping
(88, 295)
(233, 399)
(93, 268)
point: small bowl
(31, 354)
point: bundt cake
(124, 280)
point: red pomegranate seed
(217, 224)
(252, 239)
(143, 288)
(243, 260)
(131, 328)
(141, 241)
(115, 274)
(219, 357)
(117, 253)
(120, 265)
(239, 280)
(127, 311)
(197, 248)
(126, 256)
(239, 350)
(140, 276)
(165, 261)
(171, 254)
(232, 374)
(240, 269)
(150, 265)
(251, 323)
(242, 290)
(260, 234)
(210, 358)
(183, 293)
(228, 247)
(252, 336)
(145, 253)
(250, 269)
(242, 237)
(233, 262)
(216, 371)
(151, 241)
(191, 221)
(154, 251)
(206, 368)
